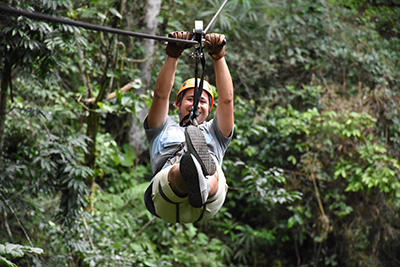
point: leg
(176, 182)
(213, 184)
(174, 209)
(195, 167)
(179, 187)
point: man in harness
(188, 183)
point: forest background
(313, 169)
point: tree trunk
(150, 21)
(137, 138)
(93, 119)
(5, 81)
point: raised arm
(162, 90)
(224, 111)
(215, 44)
(165, 80)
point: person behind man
(188, 183)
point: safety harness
(191, 118)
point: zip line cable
(89, 26)
(199, 34)
(215, 17)
(191, 118)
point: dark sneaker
(196, 144)
(196, 182)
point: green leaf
(292, 159)
(105, 107)
(14, 250)
(291, 222)
(116, 159)
(7, 262)
(115, 12)
(136, 84)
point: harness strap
(170, 201)
(202, 213)
(191, 118)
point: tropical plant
(313, 168)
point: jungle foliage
(313, 169)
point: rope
(89, 26)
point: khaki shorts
(174, 209)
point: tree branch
(142, 229)
(19, 222)
(124, 89)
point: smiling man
(188, 183)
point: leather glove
(215, 44)
(175, 49)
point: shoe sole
(190, 175)
(197, 146)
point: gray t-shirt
(168, 138)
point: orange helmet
(189, 84)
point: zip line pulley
(198, 54)
(198, 42)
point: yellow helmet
(188, 84)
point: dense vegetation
(313, 170)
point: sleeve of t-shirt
(220, 137)
(151, 133)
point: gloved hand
(175, 49)
(215, 44)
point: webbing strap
(202, 213)
(171, 202)
(191, 118)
